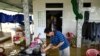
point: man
(57, 40)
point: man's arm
(59, 45)
(48, 47)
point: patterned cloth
(57, 38)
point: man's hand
(44, 46)
(43, 51)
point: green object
(76, 9)
(21, 40)
(74, 40)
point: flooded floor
(10, 48)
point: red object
(16, 38)
(33, 44)
(92, 52)
(70, 36)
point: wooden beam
(11, 4)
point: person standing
(57, 40)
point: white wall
(39, 11)
(94, 10)
(69, 23)
(39, 17)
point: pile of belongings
(34, 48)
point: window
(54, 5)
(86, 4)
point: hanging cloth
(76, 9)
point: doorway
(54, 22)
(54, 19)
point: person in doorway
(57, 40)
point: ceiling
(14, 5)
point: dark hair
(47, 30)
